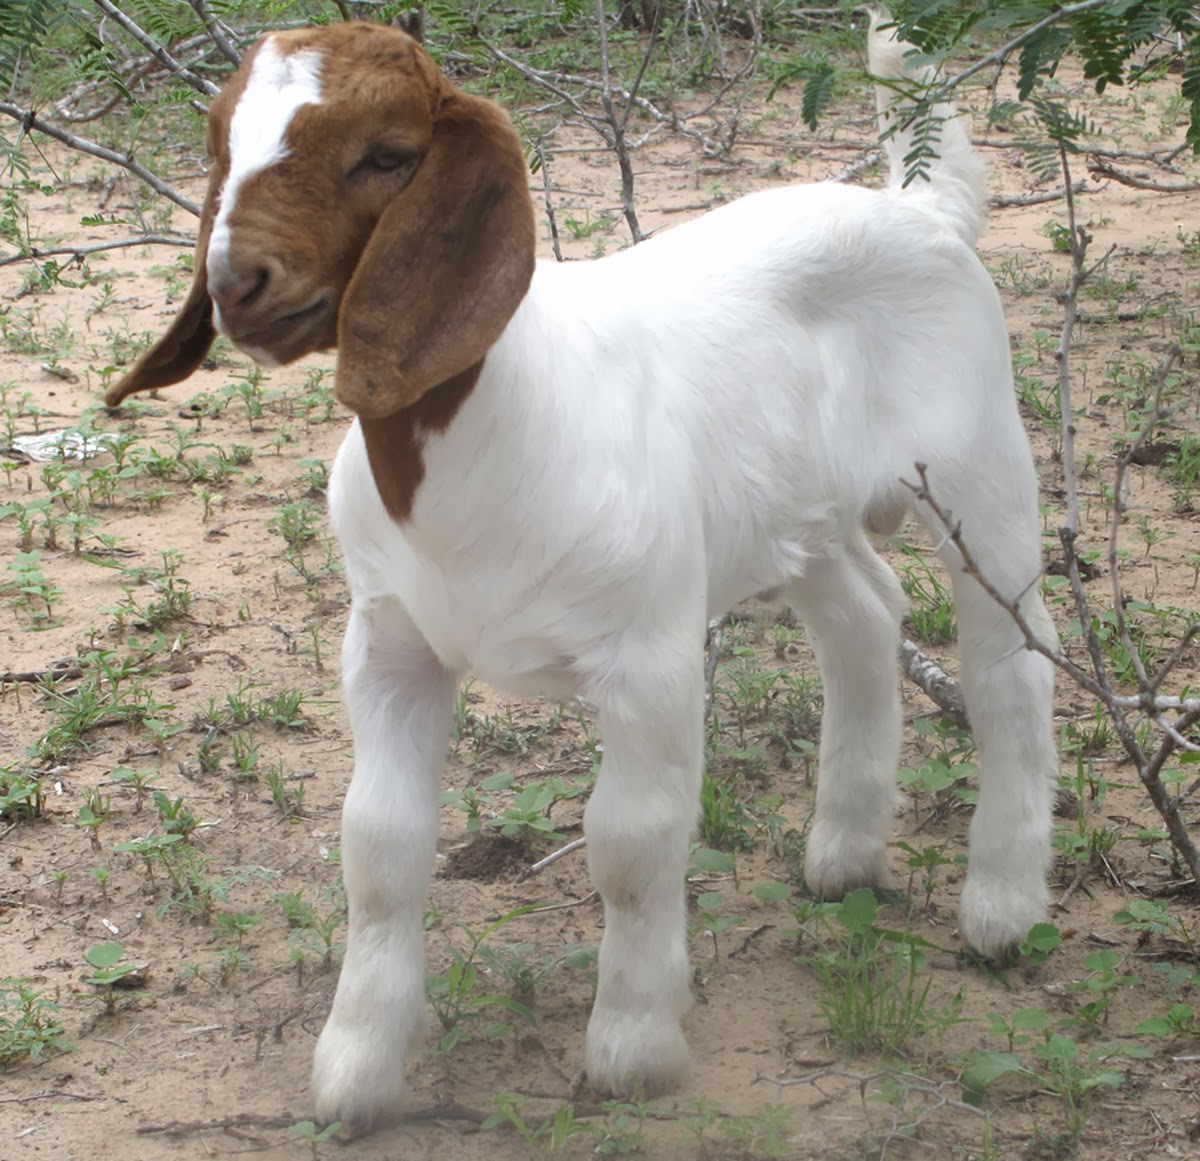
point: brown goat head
(357, 200)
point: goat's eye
(382, 161)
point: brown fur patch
(394, 442)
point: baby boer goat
(559, 473)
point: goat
(559, 473)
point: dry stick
(78, 253)
(30, 121)
(156, 50)
(1105, 170)
(713, 643)
(553, 82)
(1002, 201)
(617, 124)
(545, 168)
(218, 32)
(1149, 771)
(551, 859)
(934, 682)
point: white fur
(655, 437)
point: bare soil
(210, 1055)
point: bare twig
(218, 32)
(78, 253)
(863, 164)
(550, 215)
(52, 1094)
(554, 82)
(712, 645)
(939, 686)
(553, 857)
(616, 123)
(1096, 165)
(1005, 201)
(30, 121)
(156, 50)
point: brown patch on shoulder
(394, 442)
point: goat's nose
(230, 291)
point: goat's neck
(394, 443)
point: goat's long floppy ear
(186, 341)
(445, 268)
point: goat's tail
(955, 175)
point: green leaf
(858, 910)
(714, 862)
(104, 955)
(772, 892)
(985, 1068)
(1030, 1019)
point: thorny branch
(30, 121)
(156, 50)
(220, 34)
(78, 253)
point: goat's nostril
(232, 291)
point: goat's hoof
(995, 914)
(635, 1055)
(356, 1084)
(837, 862)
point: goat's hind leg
(400, 700)
(851, 603)
(1009, 694)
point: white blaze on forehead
(278, 85)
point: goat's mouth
(285, 337)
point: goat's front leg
(638, 823)
(400, 699)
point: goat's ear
(446, 266)
(186, 341)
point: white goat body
(634, 445)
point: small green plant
(1059, 235)
(93, 814)
(109, 971)
(1094, 993)
(724, 821)
(943, 776)
(928, 860)
(289, 800)
(1054, 1063)
(553, 1132)
(1042, 941)
(313, 932)
(237, 924)
(176, 817)
(29, 1024)
(20, 795)
(872, 996)
(35, 595)
(138, 779)
(454, 994)
(931, 612)
(307, 1132)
